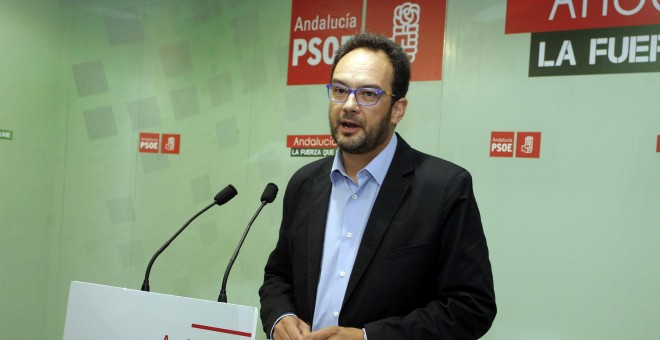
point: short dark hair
(377, 42)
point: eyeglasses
(364, 96)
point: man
(381, 241)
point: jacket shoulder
(434, 167)
(309, 172)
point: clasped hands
(292, 328)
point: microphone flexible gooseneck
(220, 198)
(270, 192)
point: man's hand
(290, 328)
(336, 333)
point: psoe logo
(311, 145)
(405, 29)
(657, 148)
(168, 143)
(149, 142)
(529, 145)
(501, 144)
(523, 144)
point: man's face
(362, 129)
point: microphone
(220, 198)
(270, 192)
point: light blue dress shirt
(348, 212)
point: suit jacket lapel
(320, 195)
(387, 204)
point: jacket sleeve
(276, 293)
(285, 276)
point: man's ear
(398, 110)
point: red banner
(418, 27)
(318, 28)
(523, 16)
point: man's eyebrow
(371, 86)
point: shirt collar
(377, 168)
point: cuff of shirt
(278, 320)
(365, 334)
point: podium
(103, 312)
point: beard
(372, 137)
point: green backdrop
(573, 235)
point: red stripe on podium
(222, 330)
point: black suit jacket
(422, 270)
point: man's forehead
(363, 67)
(366, 54)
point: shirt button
(349, 235)
(354, 197)
(342, 274)
(335, 314)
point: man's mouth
(349, 124)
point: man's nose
(351, 102)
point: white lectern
(102, 312)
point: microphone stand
(145, 283)
(223, 290)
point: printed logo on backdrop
(418, 26)
(149, 142)
(503, 144)
(311, 145)
(529, 145)
(657, 148)
(317, 30)
(580, 37)
(170, 143)
(319, 27)
(6, 134)
(152, 143)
